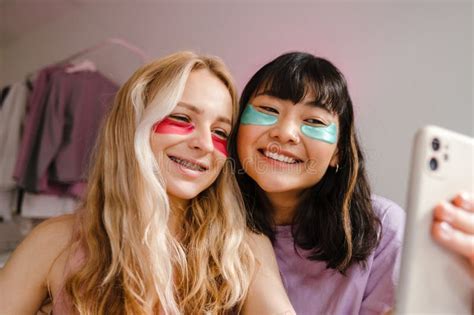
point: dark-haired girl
(302, 173)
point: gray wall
(407, 63)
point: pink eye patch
(170, 126)
(220, 144)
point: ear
(335, 158)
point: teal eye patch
(251, 116)
(326, 134)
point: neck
(284, 206)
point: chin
(183, 192)
(273, 185)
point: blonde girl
(162, 229)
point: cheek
(217, 168)
(161, 142)
(220, 145)
(245, 138)
(158, 154)
(220, 165)
(156, 144)
(320, 153)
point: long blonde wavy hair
(133, 264)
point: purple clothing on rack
(32, 128)
(76, 106)
(314, 289)
(60, 130)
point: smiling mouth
(188, 164)
(279, 157)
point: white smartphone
(432, 279)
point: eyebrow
(200, 111)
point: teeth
(279, 157)
(187, 164)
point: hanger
(85, 65)
(88, 67)
(115, 41)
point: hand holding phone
(433, 277)
(453, 226)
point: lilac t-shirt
(313, 289)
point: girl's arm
(267, 295)
(23, 280)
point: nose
(202, 140)
(286, 131)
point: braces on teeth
(187, 164)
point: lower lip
(277, 163)
(186, 171)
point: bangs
(293, 78)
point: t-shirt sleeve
(379, 295)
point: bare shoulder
(31, 262)
(260, 245)
(50, 236)
(266, 293)
(43, 244)
(257, 240)
(57, 226)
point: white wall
(408, 63)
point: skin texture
(37, 265)
(283, 182)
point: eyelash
(269, 109)
(314, 121)
(311, 121)
(180, 117)
(221, 133)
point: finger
(456, 217)
(464, 200)
(454, 240)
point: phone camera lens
(433, 164)
(435, 144)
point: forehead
(308, 102)
(303, 87)
(207, 94)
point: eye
(315, 122)
(268, 109)
(221, 133)
(180, 117)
